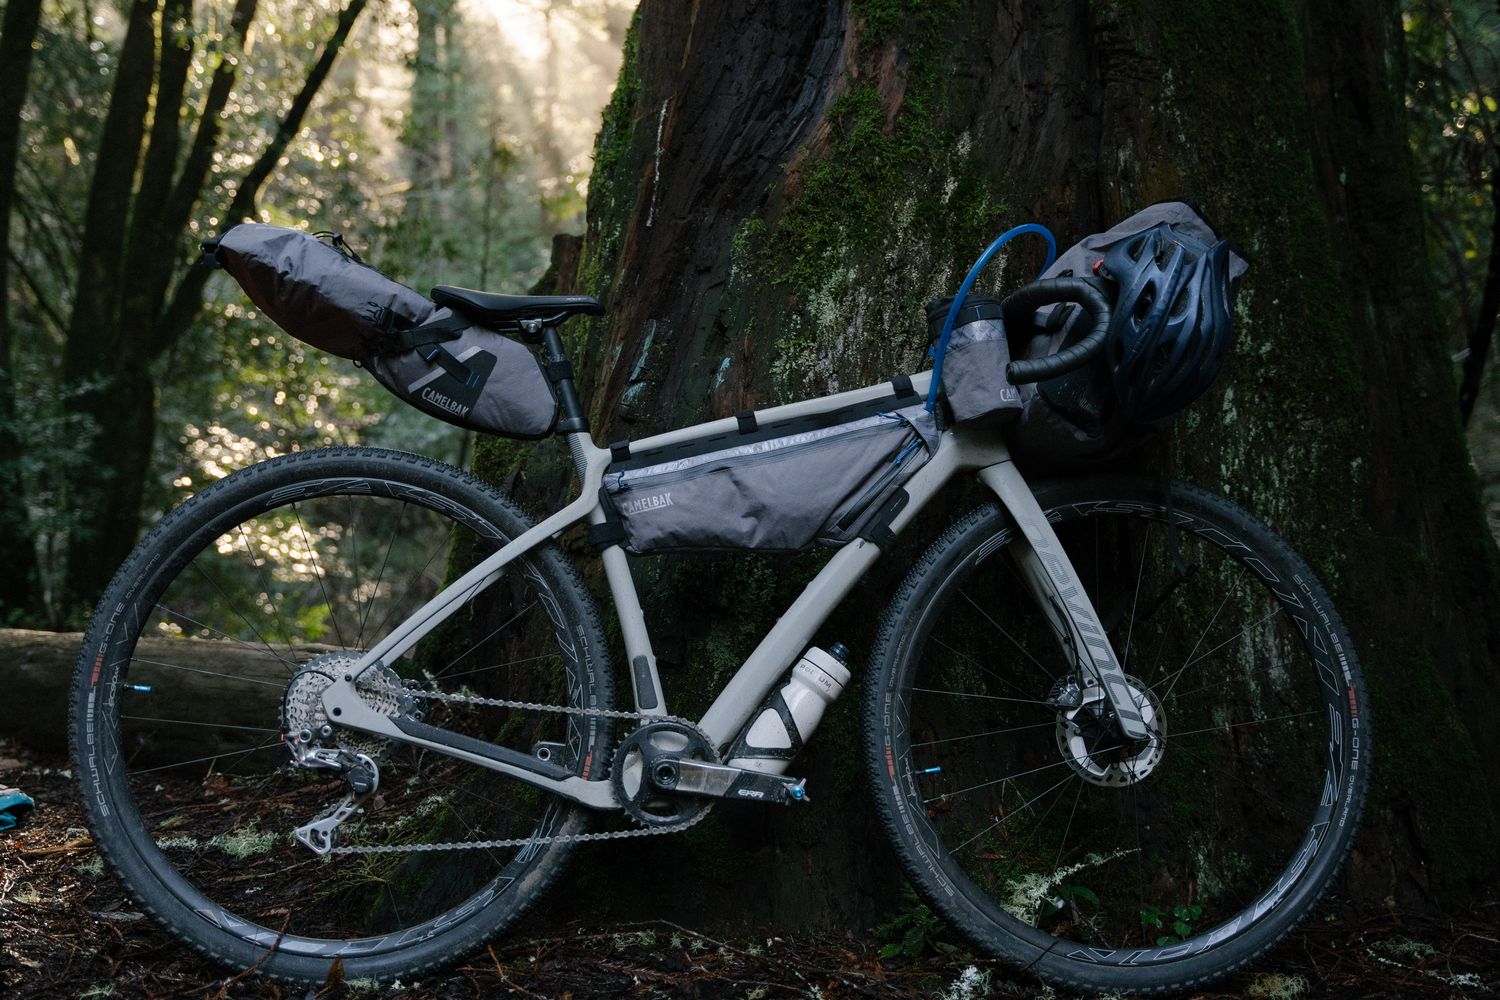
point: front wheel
(1003, 783)
(202, 674)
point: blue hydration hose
(941, 348)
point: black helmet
(1171, 324)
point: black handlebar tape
(1020, 307)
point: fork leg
(1047, 568)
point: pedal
(720, 781)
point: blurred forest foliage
(448, 139)
(1453, 91)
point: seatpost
(561, 372)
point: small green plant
(1154, 918)
(634, 939)
(1276, 986)
(912, 930)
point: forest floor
(67, 930)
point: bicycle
(1113, 727)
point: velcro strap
(606, 533)
(902, 386)
(746, 421)
(619, 451)
(391, 340)
(435, 354)
(558, 370)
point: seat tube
(644, 679)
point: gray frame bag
(442, 363)
(780, 487)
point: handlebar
(1019, 308)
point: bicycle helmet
(1171, 324)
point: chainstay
(568, 838)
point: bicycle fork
(1049, 573)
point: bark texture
(36, 670)
(17, 586)
(778, 189)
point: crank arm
(720, 781)
(1048, 570)
(345, 707)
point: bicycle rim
(1018, 809)
(213, 643)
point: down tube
(794, 630)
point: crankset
(664, 761)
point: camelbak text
(451, 405)
(646, 503)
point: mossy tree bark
(776, 191)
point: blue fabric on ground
(14, 805)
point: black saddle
(493, 309)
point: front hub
(1090, 740)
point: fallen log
(199, 697)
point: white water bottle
(791, 713)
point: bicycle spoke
(250, 646)
(1002, 631)
(210, 673)
(213, 756)
(384, 561)
(317, 565)
(992, 732)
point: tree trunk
(17, 554)
(91, 359)
(120, 324)
(777, 191)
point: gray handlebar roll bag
(436, 360)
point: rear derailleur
(363, 777)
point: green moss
(617, 128)
(879, 19)
(879, 218)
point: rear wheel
(1013, 804)
(212, 645)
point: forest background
(450, 141)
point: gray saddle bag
(322, 293)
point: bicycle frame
(1035, 547)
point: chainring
(653, 745)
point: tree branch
(59, 324)
(146, 266)
(92, 328)
(200, 156)
(188, 297)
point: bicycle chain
(570, 838)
